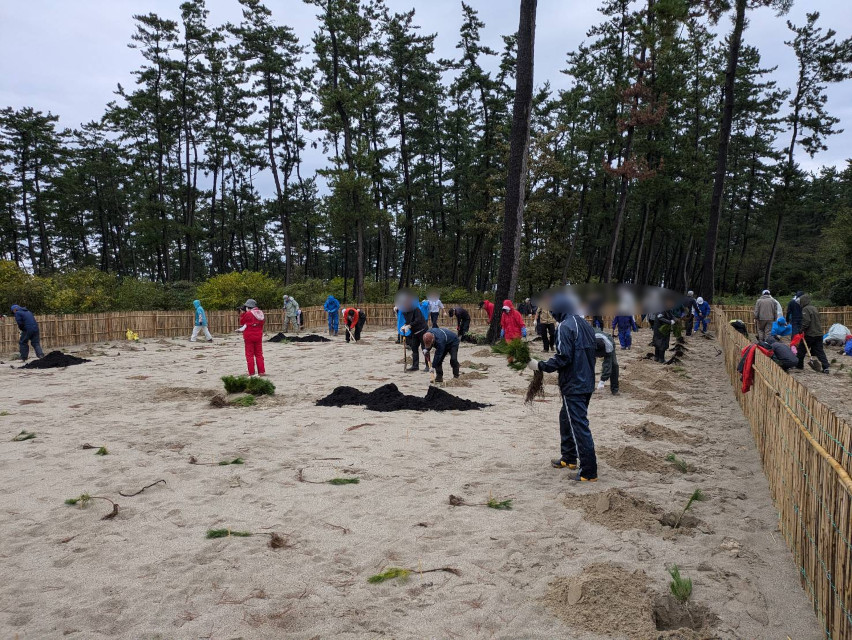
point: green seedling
(6, 413)
(84, 499)
(24, 435)
(225, 463)
(697, 496)
(344, 481)
(681, 587)
(493, 503)
(502, 505)
(393, 573)
(678, 463)
(243, 401)
(102, 452)
(227, 533)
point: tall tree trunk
(708, 271)
(519, 142)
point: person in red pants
(252, 320)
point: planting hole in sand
(389, 398)
(620, 511)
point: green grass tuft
(234, 461)
(344, 481)
(102, 452)
(681, 588)
(390, 574)
(502, 505)
(226, 533)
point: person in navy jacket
(29, 332)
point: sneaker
(559, 463)
(826, 371)
(210, 340)
(410, 369)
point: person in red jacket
(489, 308)
(512, 322)
(252, 320)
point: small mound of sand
(478, 366)
(485, 353)
(473, 375)
(618, 510)
(633, 459)
(54, 360)
(605, 599)
(664, 385)
(652, 431)
(182, 393)
(455, 382)
(657, 408)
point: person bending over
(354, 320)
(605, 349)
(462, 320)
(445, 342)
(414, 328)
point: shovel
(812, 363)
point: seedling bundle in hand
(517, 352)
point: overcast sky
(66, 56)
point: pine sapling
(678, 463)
(402, 574)
(697, 496)
(344, 481)
(24, 435)
(681, 587)
(102, 452)
(84, 499)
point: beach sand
(569, 560)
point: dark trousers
(463, 327)
(797, 327)
(356, 333)
(415, 341)
(438, 364)
(688, 319)
(30, 338)
(577, 442)
(625, 339)
(434, 317)
(817, 350)
(548, 336)
(597, 322)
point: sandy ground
(834, 390)
(574, 560)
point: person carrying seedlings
(780, 328)
(575, 361)
(488, 307)
(462, 320)
(661, 323)
(30, 334)
(547, 328)
(625, 325)
(445, 342)
(252, 321)
(605, 349)
(354, 320)
(812, 328)
(436, 307)
(415, 326)
(765, 313)
(794, 313)
(512, 323)
(332, 307)
(702, 314)
(200, 323)
(291, 313)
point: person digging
(445, 342)
(575, 361)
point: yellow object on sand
(132, 335)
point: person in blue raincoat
(332, 308)
(200, 323)
(401, 334)
(29, 332)
(702, 314)
(780, 328)
(626, 325)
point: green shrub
(19, 287)
(230, 290)
(254, 386)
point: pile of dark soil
(280, 337)
(389, 398)
(53, 360)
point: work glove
(502, 333)
(405, 328)
(241, 329)
(601, 385)
(532, 365)
(524, 332)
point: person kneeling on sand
(444, 342)
(605, 349)
(575, 362)
(252, 321)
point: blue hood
(197, 303)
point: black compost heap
(389, 398)
(53, 360)
(280, 337)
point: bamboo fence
(806, 451)
(828, 316)
(59, 331)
